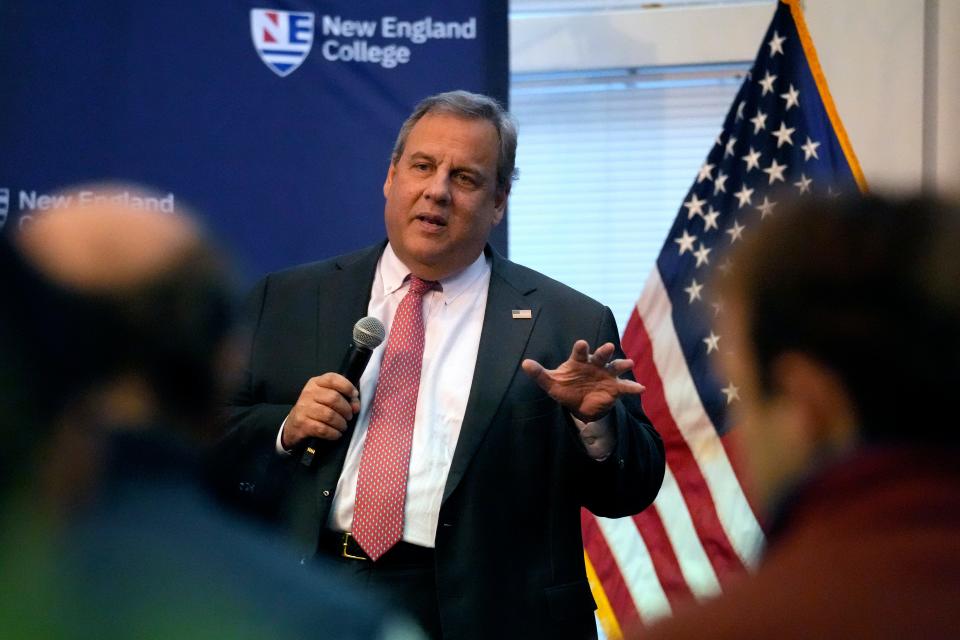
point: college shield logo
(282, 38)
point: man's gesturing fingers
(536, 371)
(580, 351)
(602, 355)
(587, 384)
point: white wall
(946, 152)
(893, 67)
(872, 52)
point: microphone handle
(354, 362)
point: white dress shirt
(453, 321)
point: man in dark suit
(452, 478)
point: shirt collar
(394, 274)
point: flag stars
(775, 171)
(759, 122)
(743, 103)
(694, 291)
(766, 207)
(728, 151)
(784, 135)
(776, 44)
(803, 184)
(725, 266)
(744, 196)
(705, 172)
(767, 83)
(720, 184)
(710, 219)
(732, 392)
(712, 342)
(694, 206)
(810, 149)
(701, 255)
(686, 242)
(752, 159)
(736, 231)
(792, 96)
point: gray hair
(472, 106)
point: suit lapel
(502, 343)
(342, 299)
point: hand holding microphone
(329, 402)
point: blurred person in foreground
(118, 328)
(842, 322)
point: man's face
(773, 445)
(442, 194)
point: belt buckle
(346, 554)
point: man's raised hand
(586, 384)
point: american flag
(782, 137)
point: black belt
(344, 545)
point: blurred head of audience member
(121, 320)
(844, 330)
(162, 298)
(842, 322)
(118, 346)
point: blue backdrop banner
(274, 119)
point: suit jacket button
(326, 493)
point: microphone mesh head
(369, 332)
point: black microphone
(368, 334)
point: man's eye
(421, 166)
(466, 180)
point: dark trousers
(403, 578)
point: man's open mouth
(434, 220)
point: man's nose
(438, 189)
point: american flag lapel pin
(521, 314)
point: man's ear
(500, 203)
(823, 416)
(389, 181)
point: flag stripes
(781, 139)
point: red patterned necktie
(385, 461)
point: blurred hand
(322, 410)
(586, 384)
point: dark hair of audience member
(871, 288)
(171, 330)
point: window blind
(580, 6)
(605, 160)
